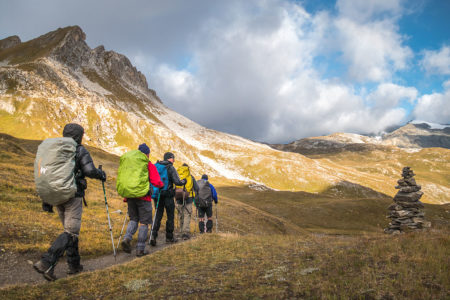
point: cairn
(405, 212)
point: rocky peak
(9, 42)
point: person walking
(206, 195)
(70, 211)
(166, 195)
(184, 196)
(140, 210)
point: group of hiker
(61, 166)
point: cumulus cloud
(255, 76)
(434, 107)
(389, 95)
(437, 62)
(254, 68)
(367, 35)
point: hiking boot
(140, 253)
(126, 246)
(153, 242)
(49, 275)
(41, 267)
(74, 269)
(185, 236)
(209, 231)
(172, 240)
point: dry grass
(375, 266)
(275, 245)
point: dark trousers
(201, 214)
(65, 242)
(168, 204)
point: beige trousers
(184, 213)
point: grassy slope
(272, 267)
(270, 263)
(24, 227)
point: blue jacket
(214, 193)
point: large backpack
(132, 176)
(54, 170)
(162, 171)
(204, 194)
(182, 192)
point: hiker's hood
(74, 131)
(183, 171)
(164, 162)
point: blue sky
(272, 70)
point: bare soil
(17, 269)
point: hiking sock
(57, 249)
(142, 237)
(201, 226)
(209, 226)
(131, 230)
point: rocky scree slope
(57, 78)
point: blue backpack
(162, 171)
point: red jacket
(154, 179)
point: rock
(29, 262)
(409, 189)
(405, 212)
(410, 181)
(417, 204)
(308, 271)
(9, 42)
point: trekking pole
(109, 220)
(153, 223)
(217, 223)
(121, 231)
(196, 214)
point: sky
(271, 70)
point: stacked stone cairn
(405, 212)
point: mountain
(57, 78)
(414, 135)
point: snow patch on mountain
(222, 170)
(432, 125)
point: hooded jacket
(84, 166)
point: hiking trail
(17, 269)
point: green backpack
(54, 170)
(132, 176)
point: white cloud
(367, 35)
(366, 10)
(434, 107)
(437, 62)
(255, 75)
(389, 95)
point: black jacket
(84, 167)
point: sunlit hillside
(57, 78)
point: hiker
(70, 211)
(206, 194)
(140, 210)
(185, 195)
(164, 197)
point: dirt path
(18, 268)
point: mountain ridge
(44, 87)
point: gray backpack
(54, 170)
(204, 194)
